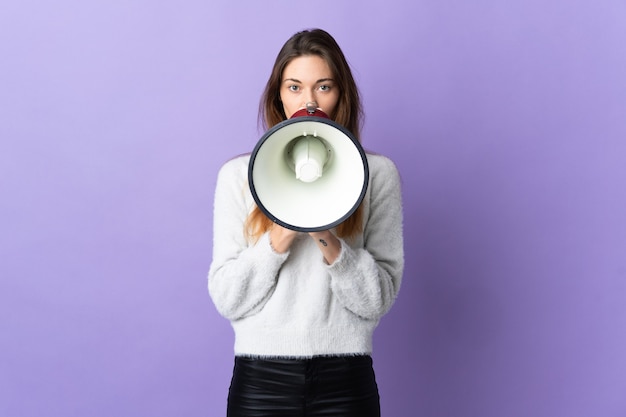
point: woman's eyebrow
(321, 80)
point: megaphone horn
(308, 173)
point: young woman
(304, 306)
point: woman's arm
(367, 280)
(242, 276)
(328, 244)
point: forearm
(281, 238)
(328, 244)
(363, 284)
(242, 282)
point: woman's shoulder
(381, 165)
(236, 165)
(234, 172)
(385, 183)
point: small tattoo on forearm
(323, 242)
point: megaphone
(308, 173)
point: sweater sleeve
(367, 280)
(242, 276)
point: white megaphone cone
(308, 173)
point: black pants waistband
(319, 386)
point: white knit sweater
(294, 304)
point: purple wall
(507, 121)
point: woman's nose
(308, 97)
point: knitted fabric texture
(294, 304)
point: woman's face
(308, 79)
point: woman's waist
(255, 340)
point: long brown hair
(348, 111)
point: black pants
(321, 386)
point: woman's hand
(281, 238)
(328, 244)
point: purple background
(507, 121)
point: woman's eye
(324, 88)
(293, 88)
